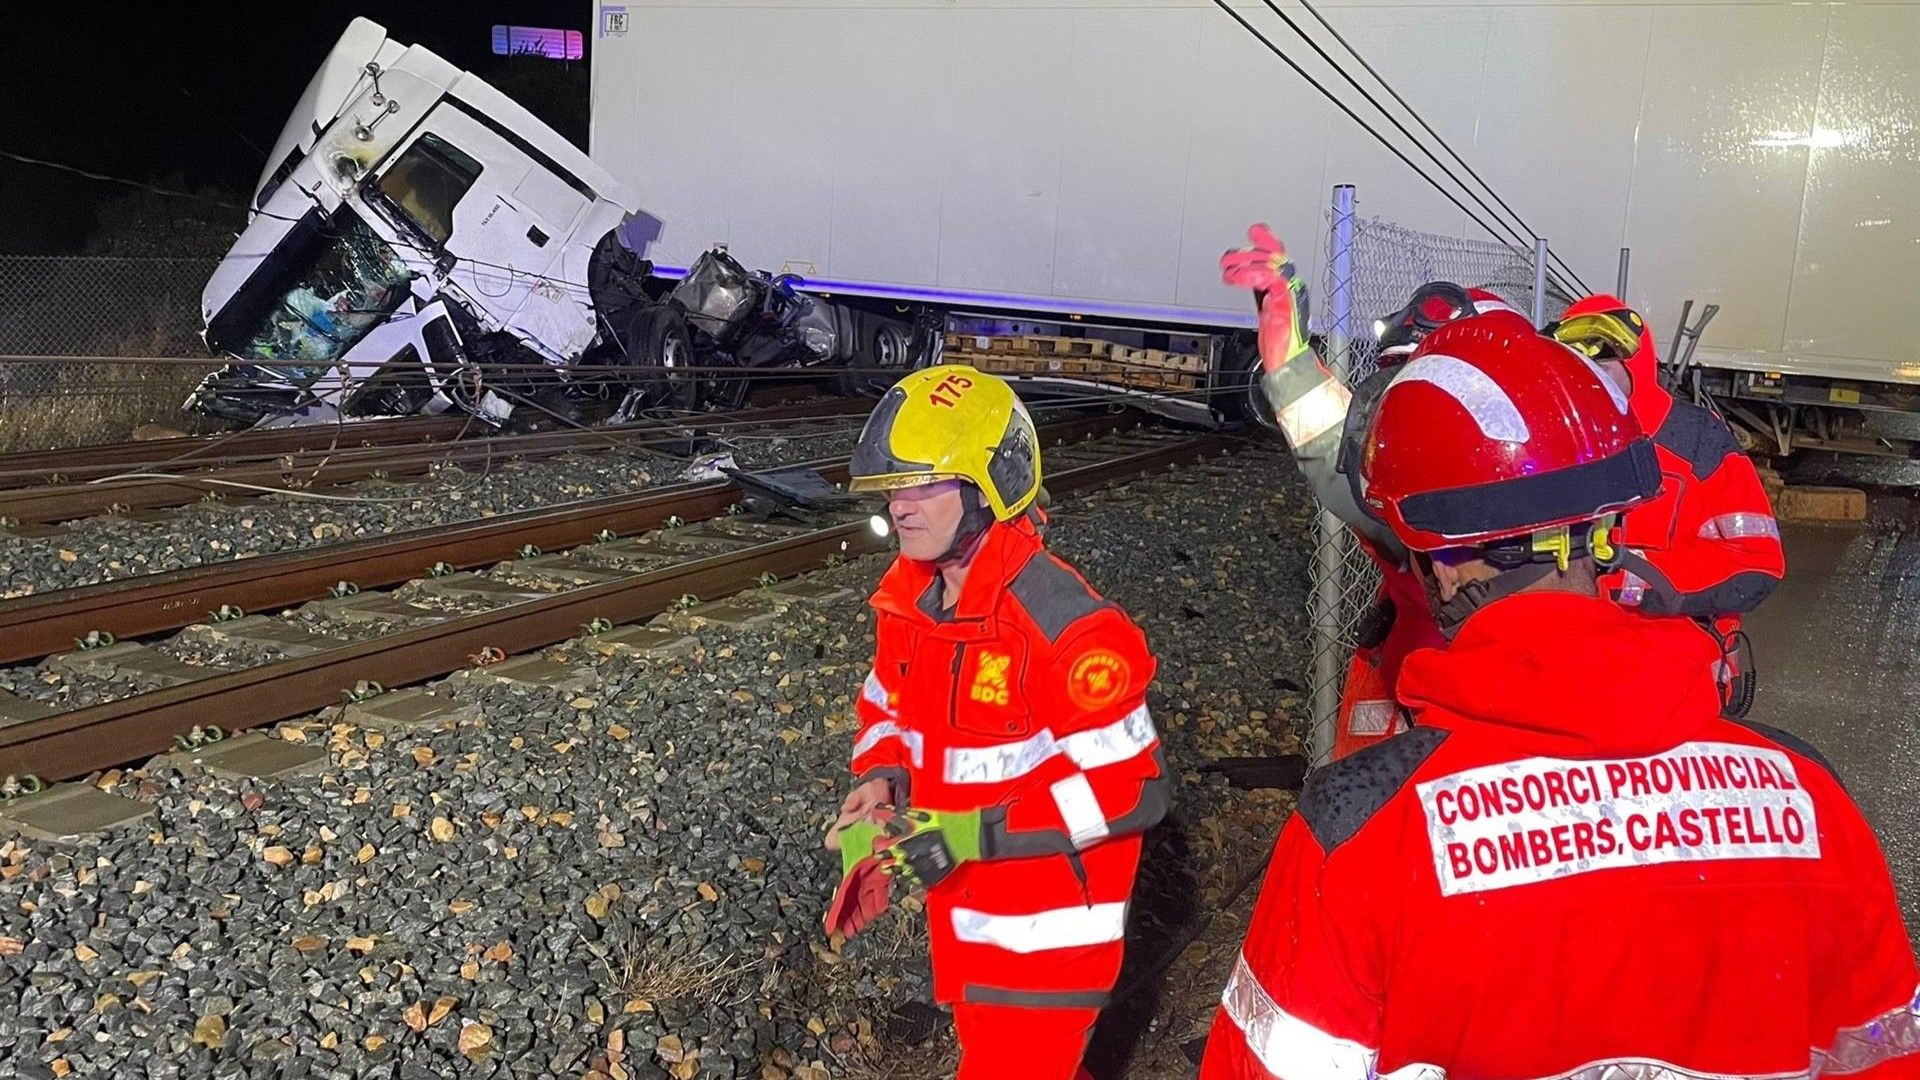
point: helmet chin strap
(1448, 615)
(975, 520)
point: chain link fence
(1372, 269)
(56, 306)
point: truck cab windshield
(328, 283)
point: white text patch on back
(1543, 818)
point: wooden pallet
(1064, 346)
(1159, 359)
(1028, 345)
(1011, 363)
(1079, 367)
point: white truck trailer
(1077, 166)
(1092, 158)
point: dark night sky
(105, 86)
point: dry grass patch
(645, 970)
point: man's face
(926, 518)
(1617, 371)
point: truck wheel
(660, 358)
(1246, 394)
(885, 354)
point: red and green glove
(931, 844)
(919, 847)
(865, 884)
(1264, 267)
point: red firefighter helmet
(1604, 327)
(1492, 432)
(1433, 305)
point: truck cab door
(496, 221)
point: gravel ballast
(625, 877)
(239, 526)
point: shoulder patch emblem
(1098, 679)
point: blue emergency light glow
(538, 41)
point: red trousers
(1002, 1042)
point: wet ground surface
(1838, 650)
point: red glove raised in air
(1264, 267)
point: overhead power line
(1386, 143)
(1421, 120)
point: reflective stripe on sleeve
(1741, 526)
(1314, 413)
(1127, 737)
(1080, 810)
(1371, 717)
(875, 694)
(887, 729)
(1060, 928)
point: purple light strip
(550, 43)
(959, 298)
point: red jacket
(1560, 872)
(1708, 546)
(1027, 699)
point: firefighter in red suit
(1322, 421)
(1708, 547)
(1004, 734)
(1572, 866)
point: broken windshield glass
(327, 284)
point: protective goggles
(1433, 305)
(1609, 335)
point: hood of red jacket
(1563, 675)
(1649, 400)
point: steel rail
(322, 468)
(35, 626)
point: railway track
(36, 626)
(164, 485)
(28, 467)
(533, 601)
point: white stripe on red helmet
(1486, 300)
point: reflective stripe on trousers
(1060, 928)
(1288, 1046)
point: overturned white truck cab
(412, 224)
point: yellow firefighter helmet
(952, 422)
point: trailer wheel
(1246, 394)
(885, 354)
(660, 358)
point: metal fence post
(1329, 547)
(1539, 281)
(1620, 282)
